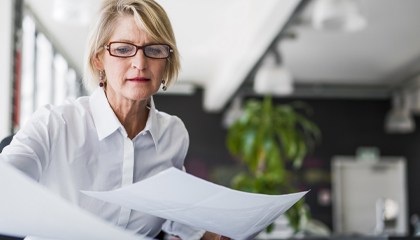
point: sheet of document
(181, 197)
(27, 208)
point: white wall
(6, 66)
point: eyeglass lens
(128, 50)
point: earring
(164, 86)
(101, 78)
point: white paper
(181, 197)
(28, 208)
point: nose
(139, 60)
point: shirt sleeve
(30, 148)
(185, 232)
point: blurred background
(356, 63)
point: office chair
(6, 141)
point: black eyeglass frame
(107, 47)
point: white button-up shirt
(81, 145)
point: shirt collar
(104, 117)
(106, 122)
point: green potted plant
(264, 138)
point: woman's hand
(213, 236)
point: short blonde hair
(149, 16)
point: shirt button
(143, 133)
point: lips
(139, 79)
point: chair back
(6, 141)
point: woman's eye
(122, 50)
(155, 50)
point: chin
(140, 94)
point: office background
(351, 110)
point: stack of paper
(181, 197)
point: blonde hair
(149, 16)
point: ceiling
(221, 41)
(383, 53)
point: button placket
(127, 177)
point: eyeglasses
(125, 50)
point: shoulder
(56, 116)
(71, 107)
(44, 129)
(171, 123)
(74, 110)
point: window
(47, 77)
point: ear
(98, 62)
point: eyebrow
(130, 41)
(123, 40)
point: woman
(116, 136)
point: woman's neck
(132, 114)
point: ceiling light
(338, 15)
(399, 119)
(276, 80)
